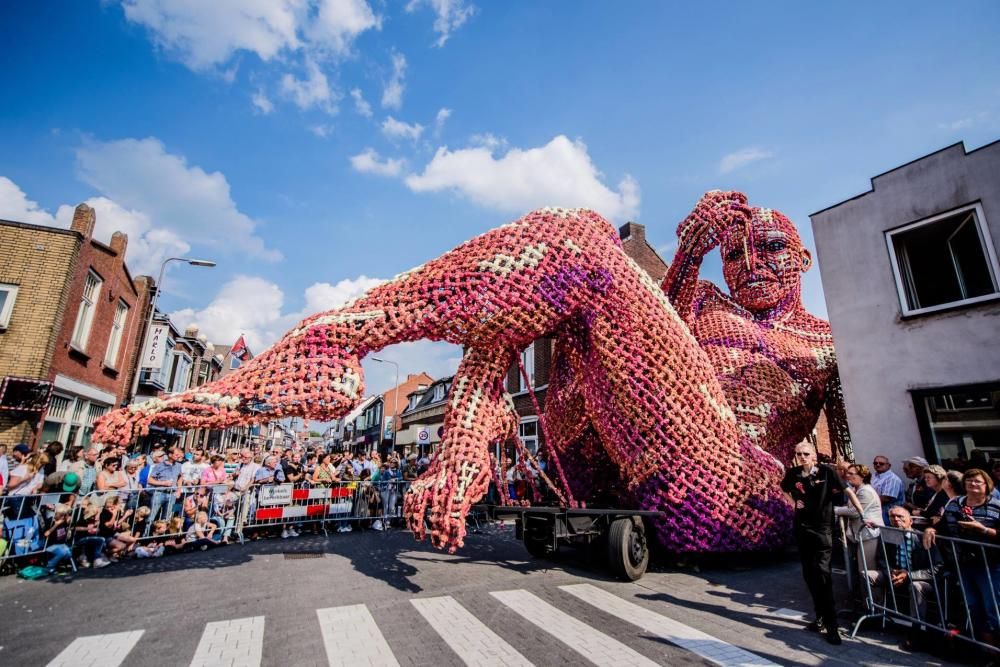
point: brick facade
(40, 262)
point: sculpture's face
(763, 261)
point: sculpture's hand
(714, 213)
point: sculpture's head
(763, 261)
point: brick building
(70, 317)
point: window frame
(8, 305)
(528, 361)
(901, 275)
(81, 332)
(113, 350)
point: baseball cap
(22, 448)
(71, 482)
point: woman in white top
(864, 512)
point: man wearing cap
(89, 476)
(917, 493)
(61, 480)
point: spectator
(423, 463)
(194, 464)
(917, 494)
(216, 473)
(114, 527)
(864, 511)
(130, 493)
(176, 541)
(910, 569)
(976, 517)
(293, 468)
(358, 464)
(111, 478)
(57, 537)
(325, 473)
(153, 548)
(232, 464)
(389, 479)
(141, 522)
(61, 480)
(189, 510)
(157, 457)
(52, 450)
(87, 536)
(72, 461)
(272, 473)
(888, 485)
(248, 471)
(88, 471)
(199, 534)
(164, 479)
(26, 479)
(410, 471)
(934, 478)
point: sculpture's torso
(774, 374)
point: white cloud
(312, 91)
(742, 158)
(370, 162)
(339, 22)
(443, 114)
(204, 34)
(397, 129)
(322, 131)
(392, 95)
(560, 173)
(450, 15)
(488, 141)
(261, 103)
(196, 206)
(324, 296)
(360, 105)
(15, 206)
(964, 123)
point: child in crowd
(57, 537)
(141, 519)
(153, 548)
(199, 535)
(175, 543)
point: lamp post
(152, 309)
(395, 407)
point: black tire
(628, 552)
(539, 542)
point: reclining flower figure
(677, 398)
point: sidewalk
(763, 609)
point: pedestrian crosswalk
(351, 636)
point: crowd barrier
(136, 514)
(949, 590)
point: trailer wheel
(628, 553)
(538, 540)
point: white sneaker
(340, 529)
(101, 562)
(347, 529)
(285, 534)
(377, 525)
(292, 531)
(82, 562)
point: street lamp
(152, 309)
(395, 407)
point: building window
(8, 294)
(527, 430)
(439, 392)
(235, 363)
(962, 420)
(85, 316)
(943, 261)
(528, 361)
(117, 327)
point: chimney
(632, 230)
(83, 221)
(119, 242)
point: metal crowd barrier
(935, 597)
(277, 505)
(27, 518)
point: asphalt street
(382, 598)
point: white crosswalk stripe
(98, 650)
(352, 638)
(351, 635)
(590, 643)
(468, 637)
(675, 632)
(235, 643)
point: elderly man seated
(910, 569)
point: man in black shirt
(812, 489)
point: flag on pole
(240, 349)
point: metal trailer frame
(543, 528)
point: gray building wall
(883, 356)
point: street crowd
(97, 506)
(925, 545)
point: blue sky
(313, 147)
